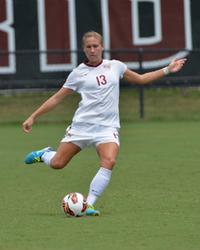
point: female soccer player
(96, 121)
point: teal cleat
(90, 211)
(35, 156)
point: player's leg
(107, 154)
(56, 159)
(65, 152)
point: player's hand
(27, 125)
(176, 65)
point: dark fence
(29, 75)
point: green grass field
(152, 202)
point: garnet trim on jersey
(86, 62)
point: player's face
(93, 50)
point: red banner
(169, 22)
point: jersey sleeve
(71, 81)
(121, 67)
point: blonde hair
(92, 34)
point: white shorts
(86, 134)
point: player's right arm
(47, 106)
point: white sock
(47, 156)
(98, 184)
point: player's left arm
(147, 78)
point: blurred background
(40, 43)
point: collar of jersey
(86, 63)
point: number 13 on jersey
(101, 80)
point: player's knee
(108, 162)
(58, 164)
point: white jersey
(99, 89)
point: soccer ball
(74, 204)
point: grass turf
(161, 104)
(152, 202)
